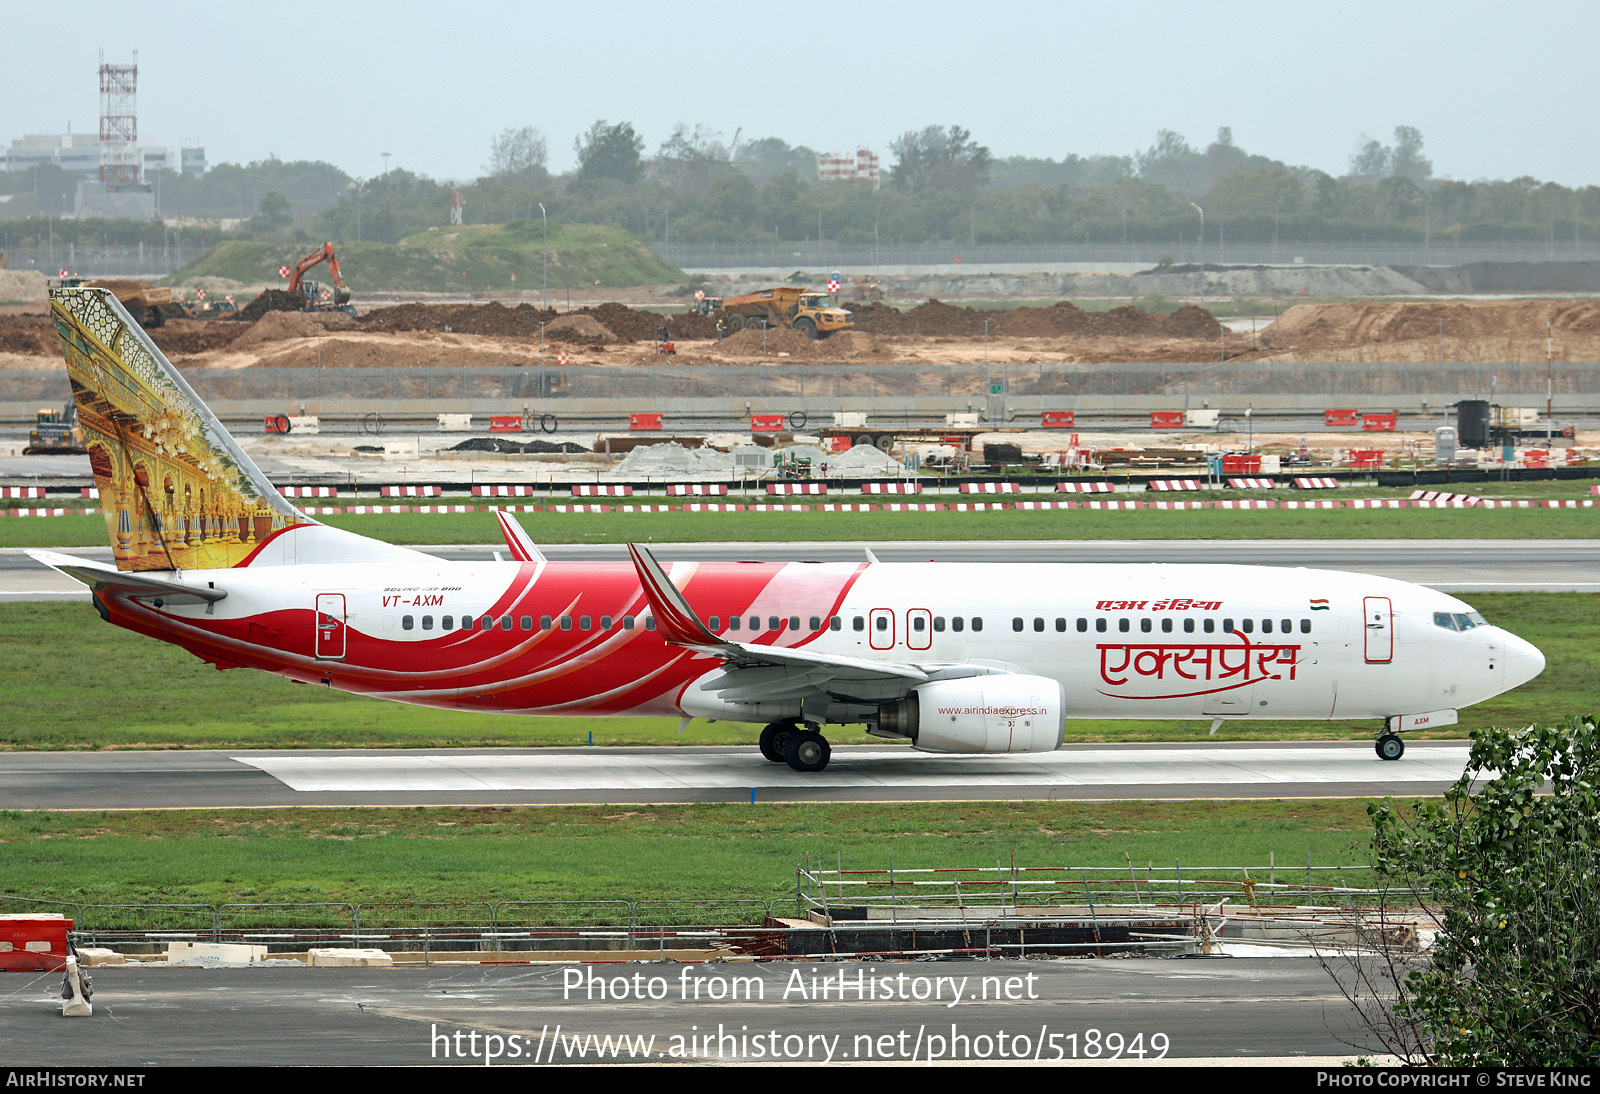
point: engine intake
(1011, 713)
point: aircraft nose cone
(1523, 661)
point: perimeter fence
(1004, 909)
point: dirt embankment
(1478, 330)
(937, 319)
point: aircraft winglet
(675, 620)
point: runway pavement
(552, 776)
(1249, 1011)
(1455, 566)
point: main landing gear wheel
(807, 750)
(1390, 747)
(773, 738)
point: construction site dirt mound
(936, 319)
(31, 335)
(752, 343)
(578, 328)
(493, 319)
(183, 337)
(279, 325)
(271, 300)
(527, 448)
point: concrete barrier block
(230, 953)
(91, 956)
(343, 958)
(305, 423)
(455, 423)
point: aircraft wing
(103, 578)
(677, 623)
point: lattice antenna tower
(119, 122)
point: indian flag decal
(1319, 605)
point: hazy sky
(1498, 90)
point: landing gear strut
(1390, 747)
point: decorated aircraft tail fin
(178, 492)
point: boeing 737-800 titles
(954, 658)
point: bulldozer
(57, 433)
(149, 306)
(807, 311)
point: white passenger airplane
(954, 658)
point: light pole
(544, 259)
(385, 156)
(1250, 423)
(1202, 213)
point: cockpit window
(1459, 621)
(1445, 620)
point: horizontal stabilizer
(103, 578)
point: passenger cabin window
(715, 622)
(977, 622)
(957, 623)
(1038, 624)
(545, 622)
(1016, 623)
(1100, 625)
(1083, 624)
(650, 623)
(1305, 626)
(837, 624)
(407, 622)
(427, 622)
(938, 623)
(447, 622)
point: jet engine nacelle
(1009, 713)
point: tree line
(939, 184)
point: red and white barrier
(644, 509)
(758, 508)
(516, 508)
(1172, 484)
(1253, 484)
(49, 512)
(1378, 423)
(797, 488)
(1316, 482)
(977, 506)
(310, 491)
(1585, 504)
(1174, 505)
(1058, 419)
(1592, 490)
(1044, 505)
(1365, 457)
(1311, 505)
(990, 488)
(1084, 488)
(697, 489)
(445, 509)
(21, 491)
(505, 423)
(1339, 418)
(378, 509)
(600, 490)
(577, 509)
(1444, 498)
(412, 492)
(852, 508)
(1167, 419)
(321, 510)
(912, 507)
(709, 507)
(767, 423)
(1111, 505)
(1491, 503)
(644, 423)
(502, 491)
(1255, 503)
(891, 488)
(1375, 503)
(89, 492)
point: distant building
(862, 166)
(81, 154)
(118, 201)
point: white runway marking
(668, 770)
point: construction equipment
(317, 296)
(706, 305)
(866, 288)
(56, 432)
(146, 303)
(805, 310)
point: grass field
(494, 257)
(884, 527)
(72, 682)
(663, 853)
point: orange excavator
(319, 297)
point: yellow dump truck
(149, 305)
(805, 310)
